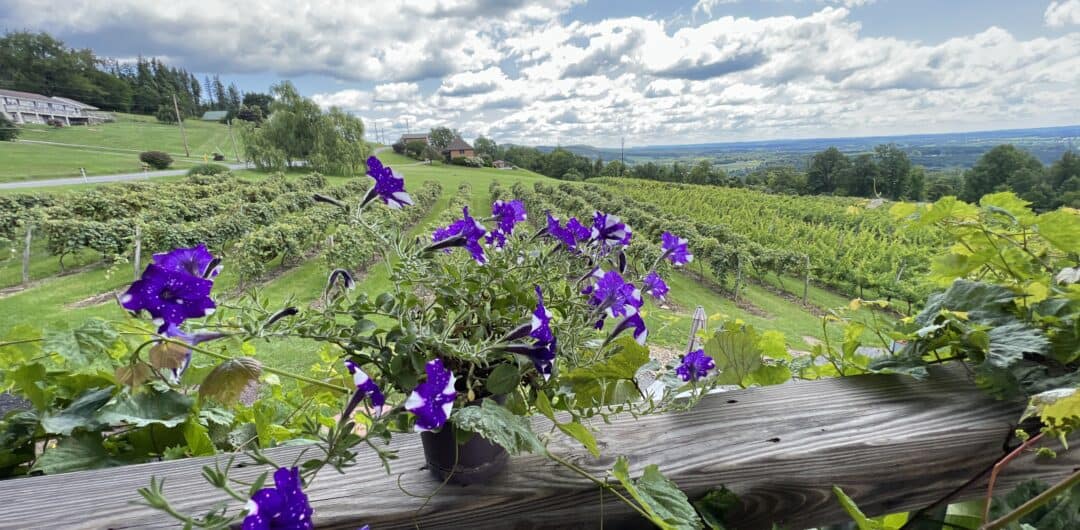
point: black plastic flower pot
(473, 462)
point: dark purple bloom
(465, 232)
(675, 249)
(508, 214)
(433, 399)
(389, 185)
(541, 320)
(635, 322)
(542, 354)
(555, 230)
(365, 386)
(171, 297)
(695, 365)
(284, 506)
(655, 285)
(615, 296)
(609, 230)
(196, 261)
(580, 231)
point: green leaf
(1060, 228)
(504, 379)
(665, 504)
(715, 505)
(29, 380)
(133, 375)
(228, 379)
(80, 414)
(544, 406)
(499, 426)
(198, 439)
(580, 433)
(168, 409)
(853, 511)
(768, 374)
(83, 450)
(1059, 409)
(83, 346)
(610, 381)
(734, 350)
(1009, 343)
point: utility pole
(236, 152)
(408, 130)
(176, 107)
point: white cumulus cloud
(1062, 12)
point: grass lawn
(67, 300)
(107, 148)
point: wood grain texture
(893, 444)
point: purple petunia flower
(171, 297)
(635, 322)
(695, 365)
(615, 296)
(465, 232)
(609, 230)
(508, 214)
(365, 386)
(675, 249)
(283, 506)
(655, 285)
(389, 185)
(580, 231)
(555, 230)
(196, 261)
(541, 320)
(433, 399)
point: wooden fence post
(137, 262)
(738, 275)
(806, 280)
(26, 255)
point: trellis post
(26, 254)
(806, 280)
(138, 250)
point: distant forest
(40, 63)
(886, 172)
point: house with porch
(27, 107)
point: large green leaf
(198, 439)
(148, 408)
(667, 506)
(84, 450)
(503, 379)
(580, 433)
(29, 381)
(82, 347)
(982, 301)
(1062, 229)
(734, 349)
(1009, 342)
(80, 414)
(610, 381)
(499, 426)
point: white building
(24, 107)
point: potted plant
(486, 323)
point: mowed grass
(108, 148)
(65, 301)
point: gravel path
(119, 177)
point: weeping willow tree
(299, 131)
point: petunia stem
(269, 369)
(603, 484)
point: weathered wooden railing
(891, 442)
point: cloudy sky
(590, 71)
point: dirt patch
(813, 341)
(97, 299)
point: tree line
(886, 172)
(42, 64)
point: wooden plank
(891, 442)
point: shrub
(467, 161)
(156, 159)
(399, 147)
(165, 113)
(218, 157)
(8, 130)
(207, 169)
(415, 148)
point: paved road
(120, 177)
